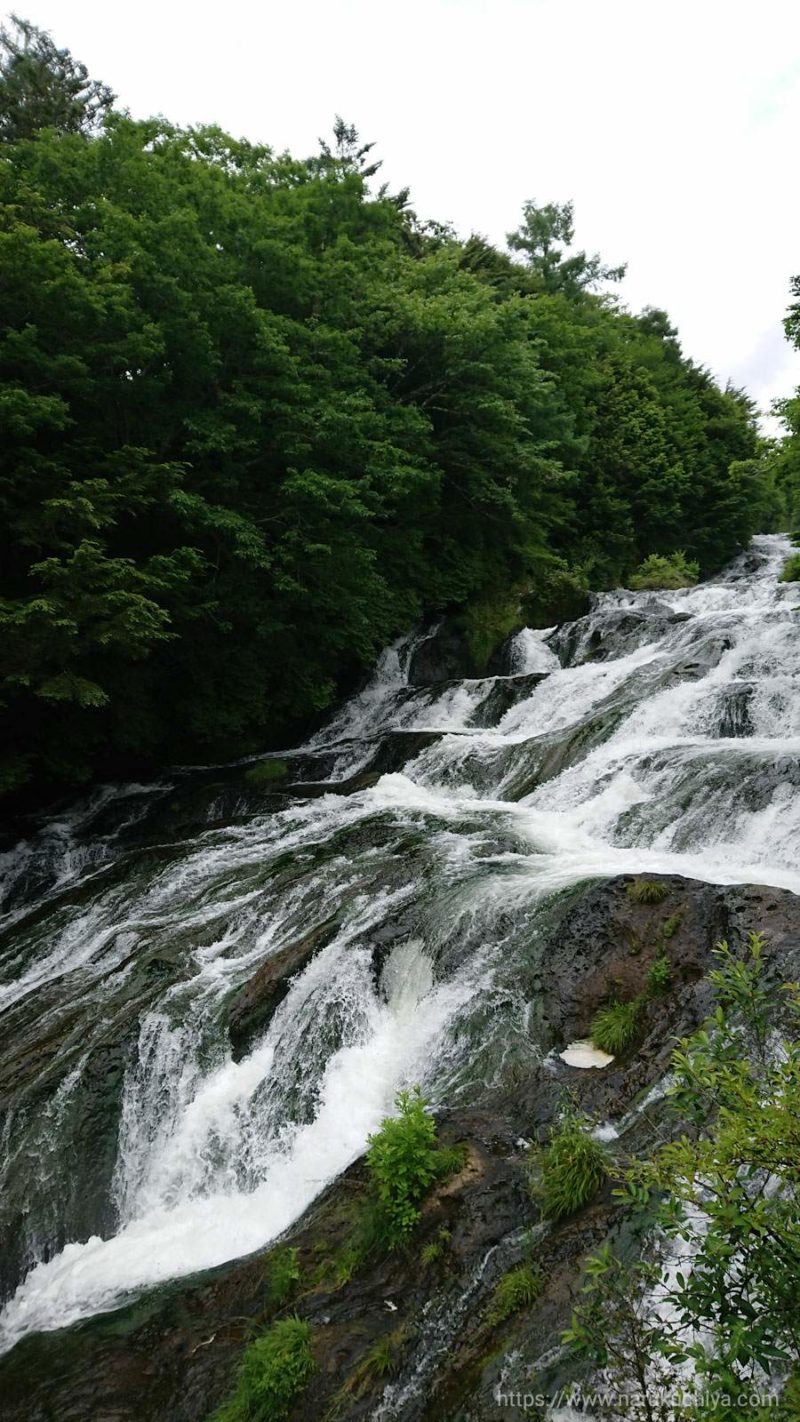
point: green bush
(402, 1160)
(273, 1370)
(614, 1026)
(569, 1170)
(647, 891)
(790, 572)
(672, 571)
(658, 975)
(517, 1289)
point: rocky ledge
(412, 1335)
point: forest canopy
(258, 417)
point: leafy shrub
(614, 1026)
(790, 572)
(724, 1196)
(647, 891)
(658, 975)
(517, 1289)
(265, 772)
(569, 1170)
(402, 1160)
(273, 1370)
(673, 571)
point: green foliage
(266, 772)
(256, 419)
(665, 571)
(487, 622)
(382, 1361)
(437, 1248)
(274, 1369)
(564, 1174)
(44, 87)
(283, 1275)
(517, 1289)
(369, 1237)
(647, 891)
(790, 572)
(614, 1026)
(403, 1164)
(658, 976)
(727, 1199)
(671, 925)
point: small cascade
(377, 926)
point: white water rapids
(659, 734)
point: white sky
(674, 127)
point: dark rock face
(615, 634)
(443, 656)
(255, 1001)
(172, 1355)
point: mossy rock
(266, 773)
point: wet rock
(506, 691)
(172, 1355)
(443, 656)
(253, 1004)
(735, 717)
(614, 632)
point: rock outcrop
(172, 1355)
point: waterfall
(660, 733)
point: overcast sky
(674, 127)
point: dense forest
(258, 417)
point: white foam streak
(676, 753)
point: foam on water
(666, 742)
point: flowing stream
(139, 1143)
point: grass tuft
(516, 1290)
(614, 1026)
(382, 1361)
(565, 1174)
(647, 891)
(437, 1248)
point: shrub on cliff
(273, 1370)
(403, 1162)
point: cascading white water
(659, 734)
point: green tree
(44, 87)
(257, 418)
(721, 1202)
(538, 237)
